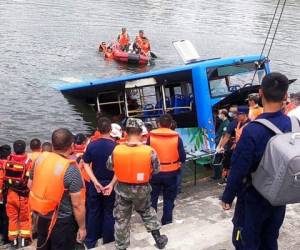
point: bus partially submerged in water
(190, 93)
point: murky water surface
(43, 42)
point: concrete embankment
(200, 223)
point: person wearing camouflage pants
(129, 161)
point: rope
(270, 28)
(276, 29)
(269, 32)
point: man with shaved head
(57, 196)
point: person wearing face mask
(217, 164)
(226, 143)
(223, 116)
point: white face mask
(230, 114)
(220, 116)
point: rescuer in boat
(171, 154)
(133, 188)
(17, 169)
(60, 207)
(141, 43)
(124, 40)
(256, 222)
(254, 108)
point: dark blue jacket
(249, 152)
(98, 153)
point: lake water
(44, 42)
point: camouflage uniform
(137, 197)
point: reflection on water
(44, 42)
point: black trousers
(62, 237)
(4, 220)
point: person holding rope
(57, 196)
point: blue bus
(190, 93)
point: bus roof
(95, 84)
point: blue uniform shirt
(249, 152)
(97, 153)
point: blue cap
(242, 110)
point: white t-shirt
(295, 112)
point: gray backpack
(277, 177)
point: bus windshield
(226, 79)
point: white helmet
(116, 130)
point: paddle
(153, 55)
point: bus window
(226, 79)
(218, 87)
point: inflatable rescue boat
(115, 52)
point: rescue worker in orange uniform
(17, 169)
(36, 149)
(171, 154)
(141, 43)
(5, 151)
(254, 108)
(57, 196)
(134, 164)
(79, 148)
(124, 40)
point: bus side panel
(203, 105)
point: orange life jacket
(34, 155)
(239, 131)
(145, 46)
(165, 143)
(2, 174)
(132, 164)
(79, 151)
(48, 182)
(17, 169)
(139, 41)
(255, 112)
(123, 39)
(95, 136)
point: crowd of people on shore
(85, 188)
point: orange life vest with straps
(17, 169)
(239, 131)
(95, 136)
(2, 174)
(139, 41)
(78, 152)
(165, 143)
(145, 46)
(34, 155)
(132, 164)
(48, 182)
(123, 39)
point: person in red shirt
(17, 169)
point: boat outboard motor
(133, 58)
